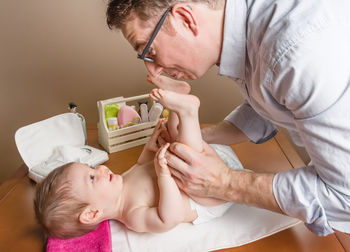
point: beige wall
(54, 52)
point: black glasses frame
(142, 56)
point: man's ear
(90, 216)
(185, 12)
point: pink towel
(98, 240)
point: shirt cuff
(256, 128)
(296, 192)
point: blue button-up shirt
(291, 62)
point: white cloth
(290, 60)
(53, 142)
(239, 224)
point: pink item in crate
(127, 116)
(98, 240)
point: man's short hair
(118, 11)
(57, 208)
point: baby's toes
(155, 93)
(162, 93)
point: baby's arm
(170, 210)
(151, 146)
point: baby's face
(98, 186)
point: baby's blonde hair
(56, 207)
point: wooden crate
(121, 139)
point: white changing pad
(240, 225)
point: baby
(75, 198)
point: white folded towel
(65, 154)
(53, 142)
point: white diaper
(206, 213)
(228, 156)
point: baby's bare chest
(142, 188)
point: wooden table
(20, 232)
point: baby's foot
(167, 83)
(181, 103)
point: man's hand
(199, 174)
(206, 175)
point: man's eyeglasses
(142, 56)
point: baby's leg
(186, 107)
(173, 122)
(177, 86)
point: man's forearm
(242, 187)
(251, 189)
(223, 133)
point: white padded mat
(240, 225)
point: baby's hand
(153, 143)
(164, 136)
(160, 162)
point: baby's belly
(144, 190)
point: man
(291, 62)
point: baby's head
(74, 198)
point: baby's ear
(90, 216)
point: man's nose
(153, 68)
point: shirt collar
(233, 53)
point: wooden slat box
(121, 139)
